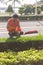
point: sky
(16, 4)
(29, 1)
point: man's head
(15, 16)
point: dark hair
(15, 16)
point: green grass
(24, 39)
(27, 56)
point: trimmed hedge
(24, 17)
(22, 43)
(31, 18)
(21, 51)
(28, 57)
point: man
(13, 26)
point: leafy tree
(21, 10)
(42, 7)
(13, 2)
(33, 10)
(28, 9)
(10, 9)
(38, 10)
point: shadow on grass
(11, 40)
(17, 45)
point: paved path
(26, 26)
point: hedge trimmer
(11, 34)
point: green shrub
(23, 17)
(28, 56)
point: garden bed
(27, 57)
(21, 51)
(22, 43)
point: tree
(38, 10)
(21, 10)
(10, 9)
(14, 3)
(9, 1)
(28, 9)
(42, 7)
(33, 10)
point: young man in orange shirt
(13, 26)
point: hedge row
(21, 51)
(22, 43)
(28, 57)
(31, 18)
(5, 18)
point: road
(26, 26)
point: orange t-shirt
(13, 25)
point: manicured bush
(21, 51)
(24, 17)
(21, 43)
(22, 57)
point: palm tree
(13, 2)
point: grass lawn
(24, 39)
